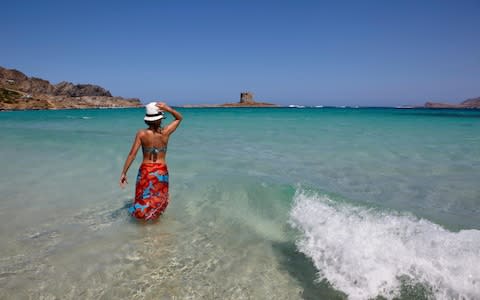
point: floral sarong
(151, 191)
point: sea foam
(366, 252)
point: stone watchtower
(246, 97)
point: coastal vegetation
(9, 96)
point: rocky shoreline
(20, 92)
(469, 103)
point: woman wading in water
(151, 191)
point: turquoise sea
(266, 203)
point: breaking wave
(366, 252)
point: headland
(20, 92)
(473, 103)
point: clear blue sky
(286, 52)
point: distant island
(19, 92)
(469, 103)
(246, 100)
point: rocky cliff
(469, 103)
(472, 103)
(18, 91)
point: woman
(151, 191)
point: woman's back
(154, 145)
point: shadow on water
(302, 269)
(119, 212)
(122, 212)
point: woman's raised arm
(174, 124)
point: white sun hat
(152, 113)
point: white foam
(363, 252)
(82, 117)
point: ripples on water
(266, 204)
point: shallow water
(265, 204)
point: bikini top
(154, 151)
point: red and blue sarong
(151, 191)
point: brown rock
(440, 105)
(469, 103)
(18, 91)
(69, 89)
